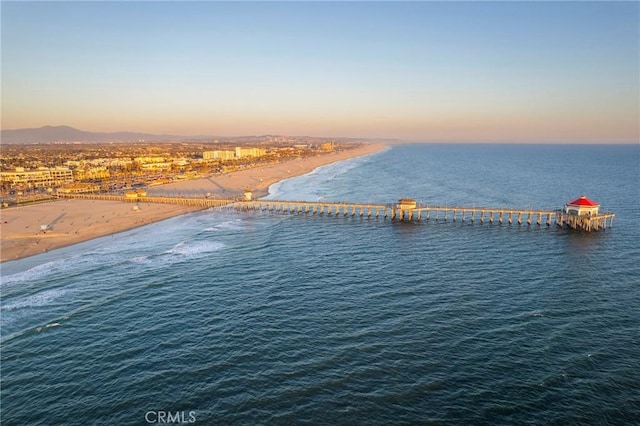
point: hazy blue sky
(430, 71)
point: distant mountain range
(66, 134)
(51, 134)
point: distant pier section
(579, 214)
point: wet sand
(72, 221)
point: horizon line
(367, 138)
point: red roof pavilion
(583, 201)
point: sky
(550, 72)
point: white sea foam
(48, 326)
(42, 298)
(195, 248)
(308, 186)
(35, 273)
(228, 225)
(274, 191)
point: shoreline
(259, 178)
(73, 221)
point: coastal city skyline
(562, 72)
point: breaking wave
(232, 225)
(195, 248)
(42, 298)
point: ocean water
(229, 318)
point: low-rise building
(219, 155)
(38, 178)
(249, 152)
(327, 146)
(79, 188)
(91, 173)
(155, 166)
(145, 160)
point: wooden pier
(406, 210)
(400, 214)
(403, 213)
(194, 202)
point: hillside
(51, 134)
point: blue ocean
(245, 318)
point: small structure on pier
(404, 207)
(582, 206)
(406, 204)
(584, 214)
(247, 194)
(134, 195)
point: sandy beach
(72, 221)
(257, 178)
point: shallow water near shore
(264, 318)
